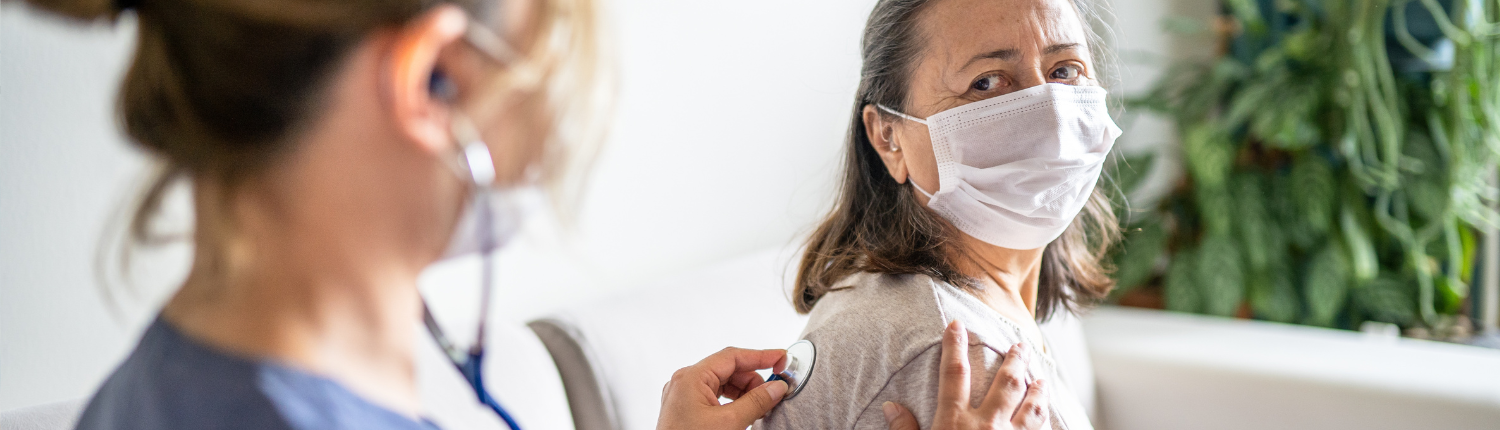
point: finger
(1009, 386)
(730, 361)
(754, 404)
(1032, 414)
(741, 383)
(953, 380)
(898, 418)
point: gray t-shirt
(879, 338)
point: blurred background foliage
(1339, 161)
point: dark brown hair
(217, 89)
(877, 225)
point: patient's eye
(987, 83)
(1066, 72)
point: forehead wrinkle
(1036, 28)
(957, 35)
(1060, 47)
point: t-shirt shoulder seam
(908, 363)
(888, 379)
(937, 300)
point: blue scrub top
(173, 382)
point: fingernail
(953, 326)
(889, 409)
(1041, 384)
(776, 389)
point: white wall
(62, 166)
(730, 121)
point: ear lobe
(882, 137)
(419, 92)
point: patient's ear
(881, 134)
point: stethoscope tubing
(471, 363)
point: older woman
(978, 134)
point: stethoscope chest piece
(800, 358)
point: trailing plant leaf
(1312, 187)
(1209, 153)
(1363, 262)
(1215, 209)
(1181, 290)
(1273, 295)
(1294, 227)
(1390, 300)
(1220, 276)
(1326, 285)
(1256, 233)
(1291, 126)
(1450, 295)
(1427, 184)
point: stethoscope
(476, 158)
(471, 363)
(800, 358)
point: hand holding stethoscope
(690, 401)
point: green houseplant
(1339, 157)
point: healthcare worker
(335, 149)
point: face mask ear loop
(919, 189)
(902, 115)
(893, 146)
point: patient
(978, 134)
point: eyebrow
(1010, 54)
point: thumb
(898, 417)
(756, 403)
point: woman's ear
(882, 136)
(420, 94)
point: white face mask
(491, 216)
(1014, 170)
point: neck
(356, 330)
(1009, 276)
(318, 274)
(319, 270)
